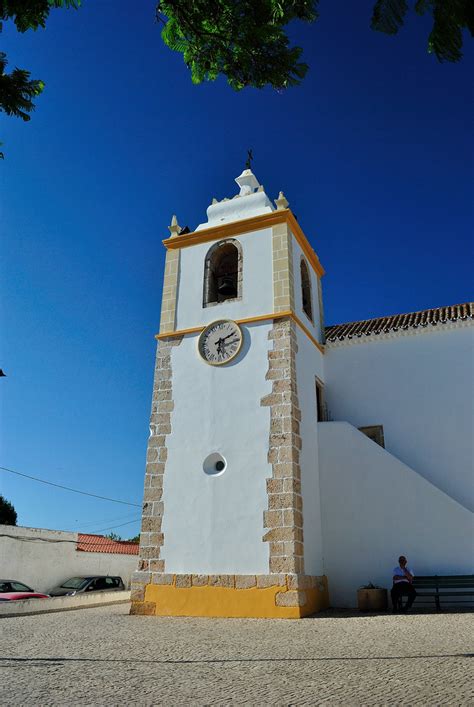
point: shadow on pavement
(38, 662)
(356, 613)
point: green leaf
(388, 15)
(17, 91)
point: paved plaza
(104, 656)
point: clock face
(220, 342)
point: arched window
(306, 290)
(223, 273)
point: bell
(227, 287)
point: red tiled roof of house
(397, 322)
(98, 543)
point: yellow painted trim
(305, 245)
(299, 323)
(227, 602)
(248, 320)
(215, 233)
(256, 223)
(263, 317)
(180, 332)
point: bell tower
(231, 515)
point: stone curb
(31, 607)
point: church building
(290, 463)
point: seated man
(402, 585)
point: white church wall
(42, 558)
(257, 286)
(214, 524)
(315, 325)
(376, 508)
(420, 388)
(309, 364)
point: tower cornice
(256, 223)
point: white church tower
(231, 516)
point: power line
(67, 488)
(111, 527)
(29, 539)
(82, 524)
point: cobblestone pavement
(106, 657)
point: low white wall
(43, 558)
(375, 508)
(25, 607)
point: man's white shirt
(398, 572)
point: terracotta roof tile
(99, 543)
(397, 322)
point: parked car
(14, 596)
(78, 585)
(11, 585)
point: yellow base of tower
(270, 602)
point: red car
(11, 596)
(11, 590)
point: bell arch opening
(306, 290)
(223, 273)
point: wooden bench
(453, 588)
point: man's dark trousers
(402, 589)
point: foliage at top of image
(450, 18)
(17, 89)
(8, 515)
(244, 40)
(31, 14)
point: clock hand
(228, 336)
(235, 341)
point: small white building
(42, 559)
(290, 463)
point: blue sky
(373, 151)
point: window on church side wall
(306, 290)
(223, 273)
(321, 407)
(375, 433)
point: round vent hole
(214, 464)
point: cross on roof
(248, 164)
